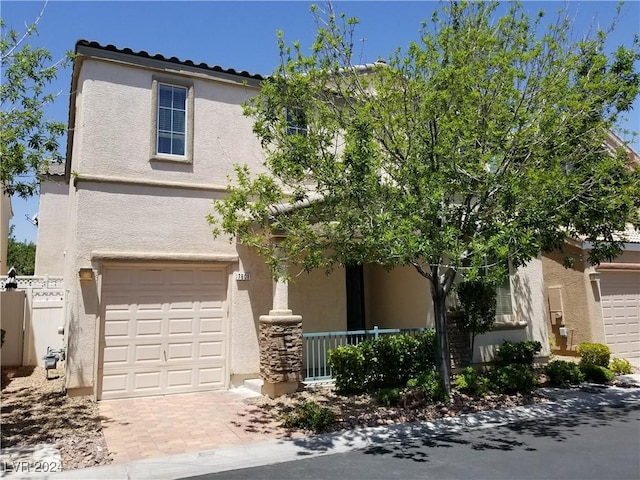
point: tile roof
(53, 169)
(630, 235)
(190, 63)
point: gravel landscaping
(36, 410)
(354, 411)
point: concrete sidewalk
(562, 403)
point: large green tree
(29, 140)
(21, 255)
(477, 147)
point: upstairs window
(296, 121)
(172, 120)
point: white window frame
(292, 127)
(155, 155)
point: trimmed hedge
(620, 366)
(597, 373)
(594, 354)
(514, 378)
(561, 373)
(388, 362)
(517, 353)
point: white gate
(31, 316)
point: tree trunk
(444, 360)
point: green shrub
(350, 367)
(388, 362)
(594, 354)
(388, 397)
(470, 382)
(310, 416)
(430, 384)
(2, 333)
(597, 373)
(514, 378)
(563, 373)
(517, 353)
(620, 366)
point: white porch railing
(316, 347)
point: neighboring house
(5, 216)
(155, 304)
(596, 303)
(52, 221)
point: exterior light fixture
(86, 274)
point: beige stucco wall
(399, 298)
(320, 299)
(52, 226)
(5, 216)
(123, 217)
(115, 135)
(580, 301)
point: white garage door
(163, 330)
(621, 313)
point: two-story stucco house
(154, 303)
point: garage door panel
(148, 353)
(148, 327)
(210, 277)
(180, 351)
(210, 376)
(620, 302)
(180, 378)
(114, 385)
(181, 326)
(210, 325)
(147, 380)
(148, 303)
(116, 328)
(163, 330)
(179, 277)
(117, 278)
(150, 276)
(117, 354)
(210, 350)
(184, 302)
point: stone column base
(273, 390)
(280, 352)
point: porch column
(280, 344)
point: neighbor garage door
(163, 330)
(621, 313)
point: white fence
(31, 316)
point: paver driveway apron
(146, 427)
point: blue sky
(242, 35)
